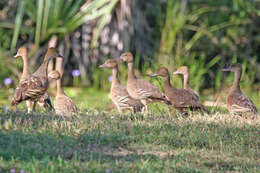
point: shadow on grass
(121, 143)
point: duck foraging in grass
(118, 92)
(141, 89)
(35, 86)
(180, 99)
(236, 101)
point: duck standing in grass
(34, 86)
(183, 70)
(141, 89)
(118, 92)
(63, 105)
(180, 99)
(22, 53)
(236, 101)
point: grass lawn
(98, 141)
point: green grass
(98, 141)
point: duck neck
(131, 70)
(59, 87)
(237, 77)
(25, 66)
(42, 70)
(186, 83)
(115, 79)
(167, 82)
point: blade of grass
(18, 21)
(45, 16)
(38, 23)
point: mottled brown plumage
(63, 105)
(141, 89)
(118, 92)
(236, 101)
(22, 53)
(45, 100)
(181, 99)
(34, 86)
(186, 83)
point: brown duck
(181, 99)
(118, 92)
(34, 86)
(63, 105)
(45, 100)
(22, 52)
(236, 100)
(183, 70)
(141, 89)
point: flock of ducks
(135, 96)
(32, 88)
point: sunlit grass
(99, 141)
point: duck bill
(154, 75)
(176, 72)
(16, 56)
(226, 69)
(103, 66)
(60, 56)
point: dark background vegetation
(204, 35)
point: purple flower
(22, 171)
(8, 81)
(12, 170)
(75, 72)
(107, 170)
(110, 78)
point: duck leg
(34, 105)
(145, 108)
(29, 106)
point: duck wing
(146, 89)
(30, 88)
(241, 103)
(122, 98)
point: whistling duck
(22, 52)
(141, 89)
(34, 86)
(236, 100)
(44, 100)
(118, 92)
(186, 83)
(180, 99)
(63, 105)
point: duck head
(126, 57)
(109, 63)
(54, 75)
(233, 67)
(181, 70)
(22, 52)
(53, 53)
(162, 71)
